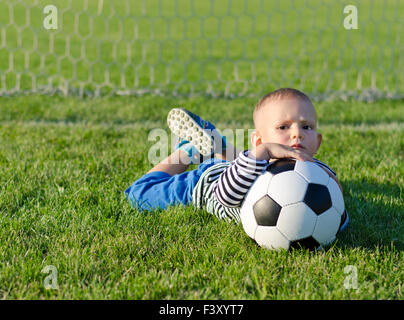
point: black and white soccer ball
(295, 204)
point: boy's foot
(201, 133)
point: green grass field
(65, 161)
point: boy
(285, 127)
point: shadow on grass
(376, 215)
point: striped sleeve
(234, 183)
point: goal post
(229, 48)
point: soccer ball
(295, 204)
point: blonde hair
(278, 94)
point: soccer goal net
(224, 48)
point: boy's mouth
(297, 146)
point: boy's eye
(305, 127)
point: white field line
(382, 126)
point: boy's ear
(319, 140)
(255, 139)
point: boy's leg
(176, 163)
(168, 183)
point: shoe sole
(183, 126)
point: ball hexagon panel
(266, 211)
(248, 220)
(296, 221)
(281, 166)
(327, 226)
(271, 238)
(311, 172)
(318, 198)
(287, 188)
(307, 243)
(336, 196)
(259, 188)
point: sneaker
(201, 133)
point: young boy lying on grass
(285, 127)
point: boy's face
(288, 121)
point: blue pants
(158, 190)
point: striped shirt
(221, 188)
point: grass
(65, 162)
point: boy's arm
(267, 151)
(234, 183)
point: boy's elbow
(229, 204)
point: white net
(211, 47)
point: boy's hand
(267, 151)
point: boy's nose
(297, 133)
